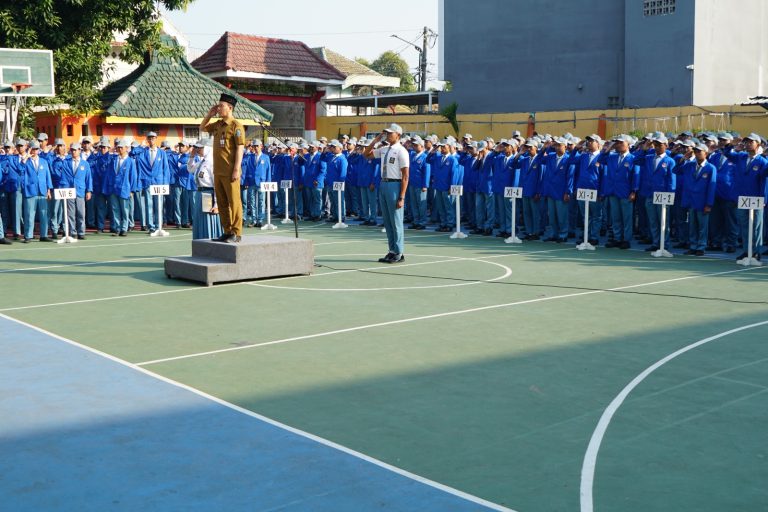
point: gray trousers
(76, 214)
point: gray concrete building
(540, 55)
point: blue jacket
(36, 182)
(530, 174)
(120, 180)
(13, 174)
(79, 178)
(317, 169)
(659, 178)
(557, 178)
(353, 161)
(470, 176)
(725, 169)
(503, 173)
(589, 171)
(484, 168)
(184, 178)
(747, 181)
(700, 185)
(298, 169)
(247, 166)
(336, 170)
(262, 169)
(152, 174)
(57, 164)
(619, 180)
(173, 166)
(445, 170)
(367, 172)
(420, 171)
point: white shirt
(202, 168)
(393, 159)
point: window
(658, 7)
(191, 133)
(99, 130)
(85, 130)
(70, 131)
(614, 102)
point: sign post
(286, 185)
(267, 187)
(65, 194)
(338, 186)
(159, 191)
(513, 193)
(664, 199)
(753, 204)
(457, 191)
(588, 196)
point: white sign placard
(268, 186)
(206, 202)
(457, 190)
(513, 192)
(64, 193)
(338, 185)
(586, 194)
(159, 190)
(286, 183)
(751, 203)
(664, 198)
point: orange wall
(60, 125)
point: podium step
(254, 257)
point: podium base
(661, 254)
(585, 246)
(750, 262)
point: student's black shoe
(223, 237)
(81, 237)
(26, 240)
(45, 239)
(645, 241)
(550, 239)
(54, 236)
(419, 227)
(742, 256)
(488, 232)
(257, 225)
(690, 252)
(114, 233)
(476, 232)
(682, 245)
(594, 241)
(610, 244)
(698, 253)
(5, 241)
(652, 248)
(624, 245)
(714, 248)
(123, 233)
(397, 258)
(387, 258)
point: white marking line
(430, 317)
(65, 265)
(590, 457)
(507, 273)
(82, 245)
(283, 426)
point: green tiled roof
(171, 88)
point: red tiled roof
(254, 54)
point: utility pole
(423, 62)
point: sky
(352, 29)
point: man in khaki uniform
(228, 145)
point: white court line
(437, 315)
(590, 457)
(283, 426)
(65, 265)
(81, 245)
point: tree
(80, 33)
(362, 60)
(390, 64)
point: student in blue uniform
(420, 173)
(700, 178)
(444, 172)
(152, 168)
(557, 188)
(76, 173)
(36, 187)
(3, 197)
(503, 173)
(530, 170)
(749, 180)
(337, 172)
(55, 207)
(467, 161)
(620, 184)
(119, 182)
(316, 172)
(682, 154)
(186, 183)
(589, 175)
(14, 173)
(262, 172)
(723, 226)
(368, 176)
(484, 201)
(660, 177)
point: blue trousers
(468, 207)
(187, 205)
(644, 223)
(55, 214)
(417, 202)
(484, 208)
(723, 226)
(444, 204)
(531, 216)
(698, 229)
(316, 201)
(334, 214)
(654, 222)
(35, 205)
(389, 192)
(172, 202)
(595, 218)
(120, 210)
(503, 209)
(621, 218)
(370, 205)
(15, 211)
(757, 229)
(557, 210)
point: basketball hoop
(19, 86)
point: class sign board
(159, 190)
(664, 198)
(338, 185)
(64, 193)
(586, 194)
(268, 186)
(751, 203)
(286, 183)
(513, 192)
(457, 190)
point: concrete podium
(254, 257)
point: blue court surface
(83, 431)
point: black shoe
(397, 258)
(624, 245)
(501, 234)
(17, 237)
(488, 232)
(714, 248)
(610, 244)
(54, 236)
(730, 250)
(26, 240)
(419, 227)
(652, 248)
(646, 241)
(387, 258)
(593, 241)
(123, 233)
(571, 234)
(258, 225)
(5, 241)
(742, 256)
(114, 233)
(690, 252)
(682, 245)
(45, 239)
(223, 237)
(551, 239)
(476, 232)
(698, 253)
(81, 237)
(534, 237)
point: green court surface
(482, 366)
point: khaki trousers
(230, 204)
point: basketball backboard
(32, 68)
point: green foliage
(80, 33)
(390, 64)
(450, 113)
(362, 60)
